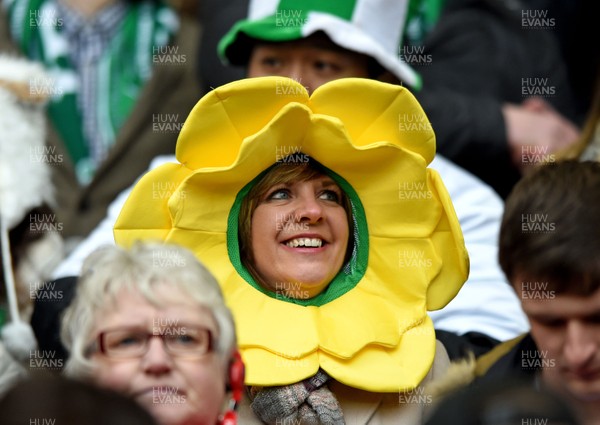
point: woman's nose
(157, 360)
(309, 209)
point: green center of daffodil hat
(373, 334)
(371, 27)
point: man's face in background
(311, 62)
(566, 330)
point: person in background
(151, 323)
(121, 80)
(573, 25)
(495, 87)
(549, 248)
(509, 401)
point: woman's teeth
(307, 242)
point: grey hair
(110, 269)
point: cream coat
(362, 407)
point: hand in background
(535, 131)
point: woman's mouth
(159, 391)
(305, 242)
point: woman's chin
(171, 414)
(300, 290)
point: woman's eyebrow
(329, 182)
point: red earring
(236, 376)
(236, 386)
(229, 418)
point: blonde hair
(109, 270)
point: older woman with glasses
(151, 323)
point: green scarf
(123, 69)
(421, 17)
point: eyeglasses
(133, 342)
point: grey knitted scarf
(306, 402)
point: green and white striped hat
(371, 27)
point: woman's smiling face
(299, 236)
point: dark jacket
(479, 54)
(518, 357)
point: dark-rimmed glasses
(133, 342)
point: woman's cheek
(115, 376)
(206, 387)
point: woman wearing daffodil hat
(329, 235)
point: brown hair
(281, 173)
(550, 228)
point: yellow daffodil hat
(369, 329)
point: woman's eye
(185, 340)
(330, 195)
(129, 341)
(279, 194)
